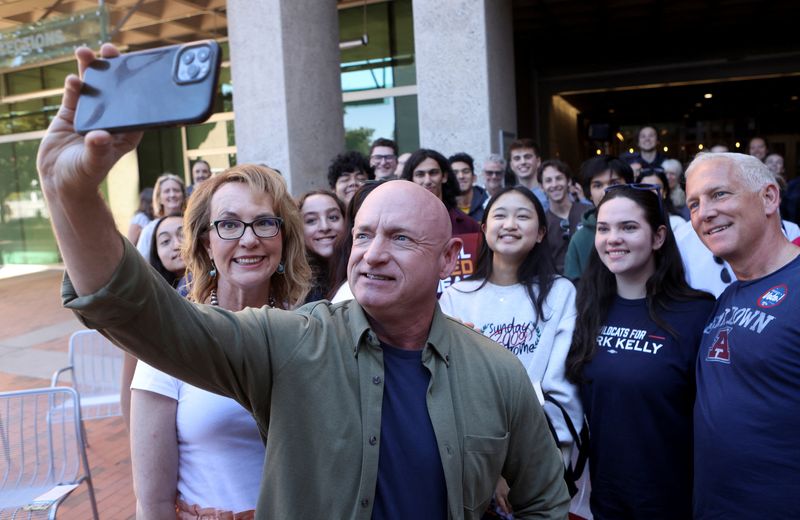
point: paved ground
(34, 334)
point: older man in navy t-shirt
(747, 412)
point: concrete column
(465, 74)
(286, 86)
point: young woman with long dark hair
(517, 298)
(323, 226)
(633, 353)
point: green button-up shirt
(313, 378)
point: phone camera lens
(193, 71)
(203, 54)
(188, 57)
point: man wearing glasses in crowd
(494, 169)
(383, 158)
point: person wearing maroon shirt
(432, 171)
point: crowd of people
(296, 361)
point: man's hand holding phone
(71, 167)
(72, 163)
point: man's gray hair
(494, 158)
(752, 172)
(672, 163)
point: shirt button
(377, 380)
(365, 502)
(373, 440)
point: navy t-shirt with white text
(638, 400)
(747, 415)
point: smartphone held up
(168, 86)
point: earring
(213, 272)
(281, 269)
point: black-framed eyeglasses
(493, 173)
(724, 274)
(386, 158)
(641, 186)
(233, 228)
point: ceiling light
(666, 149)
(599, 151)
(698, 104)
(620, 136)
(700, 146)
(738, 144)
(630, 150)
(708, 95)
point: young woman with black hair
(517, 298)
(165, 249)
(633, 354)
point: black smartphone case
(150, 88)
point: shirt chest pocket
(483, 461)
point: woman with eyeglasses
(196, 454)
(516, 298)
(633, 354)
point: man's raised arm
(71, 168)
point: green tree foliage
(358, 139)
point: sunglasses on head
(640, 186)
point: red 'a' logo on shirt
(720, 350)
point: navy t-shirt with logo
(747, 414)
(638, 400)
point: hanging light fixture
(358, 42)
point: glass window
(28, 116)
(26, 236)
(23, 81)
(387, 60)
(390, 117)
(53, 75)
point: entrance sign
(52, 38)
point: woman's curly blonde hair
(288, 289)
